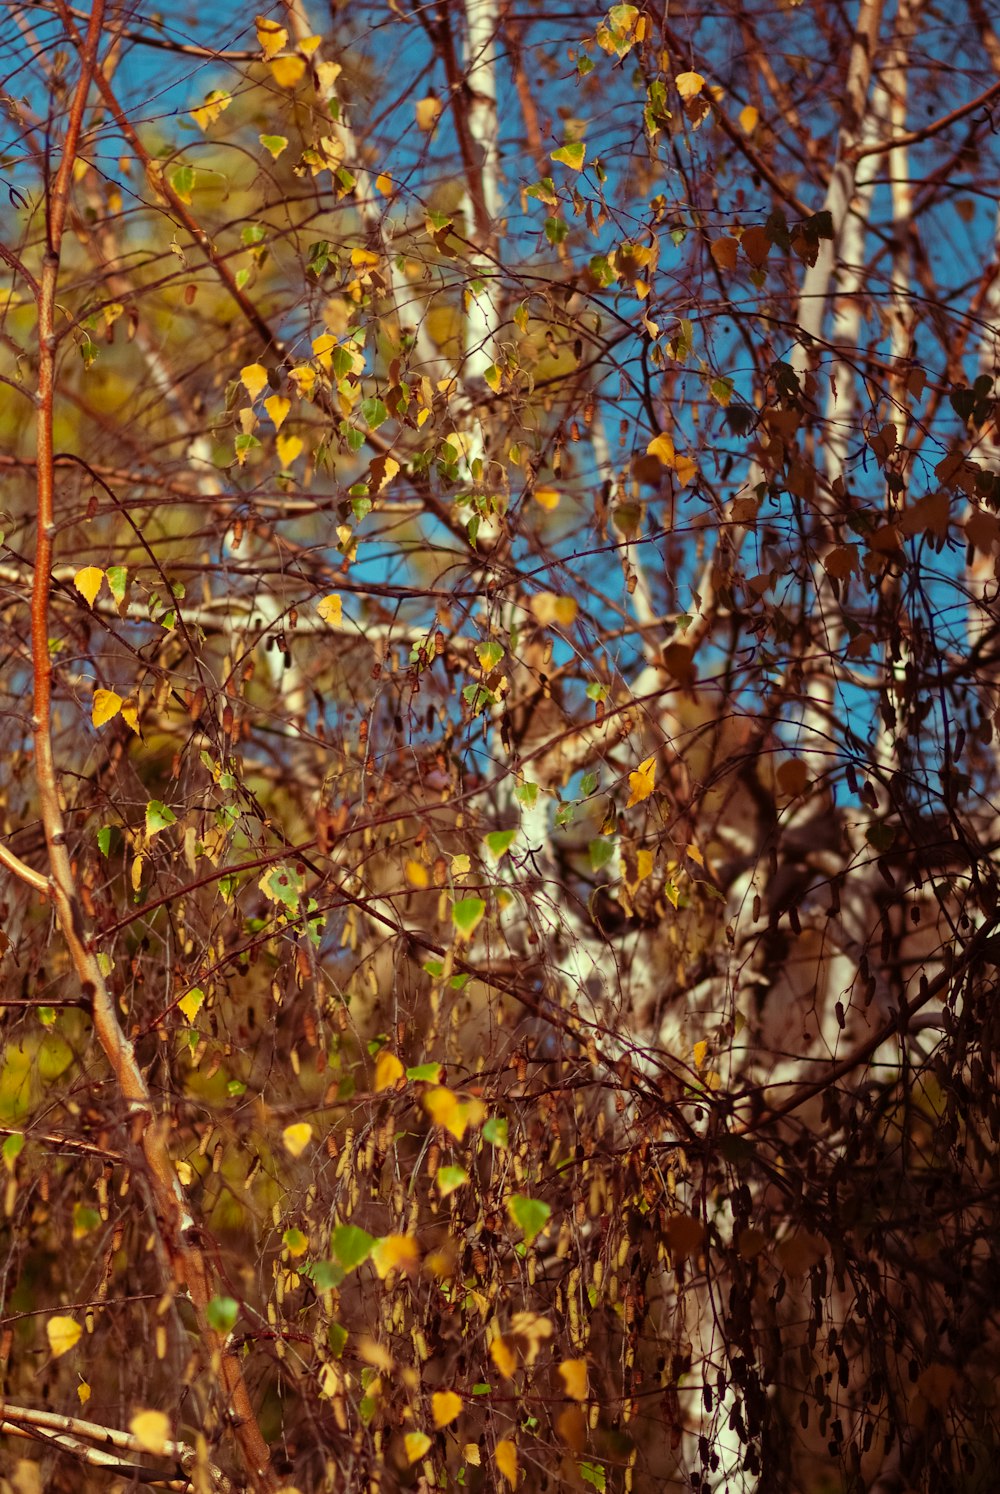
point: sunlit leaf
(289, 448)
(428, 110)
(416, 1444)
(388, 1071)
(254, 378)
(331, 609)
(287, 71)
(274, 144)
(642, 782)
(467, 915)
(396, 1253)
(445, 1407)
(449, 1179)
(106, 705)
(530, 1215)
(63, 1334)
(351, 1245)
(573, 1373)
(277, 407)
(151, 1429)
(296, 1137)
(271, 36)
(689, 85)
(571, 155)
(505, 1457)
(88, 583)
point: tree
(499, 793)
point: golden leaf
(662, 447)
(83, 1392)
(573, 1373)
(416, 1444)
(503, 1356)
(192, 1003)
(88, 583)
(253, 378)
(331, 609)
(699, 1053)
(396, 1253)
(296, 1138)
(427, 111)
(106, 706)
(287, 71)
(748, 117)
(689, 85)
(417, 874)
(151, 1430)
(642, 782)
(383, 184)
(388, 1071)
(278, 407)
(547, 497)
(215, 104)
(505, 1458)
(549, 608)
(472, 1455)
(271, 36)
(529, 1331)
(289, 449)
(130, 714)
(63, 1334)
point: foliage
(499, 788)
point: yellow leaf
(287, 71)
(417, 874)
(503, 1356)
(641, 782)
(416, 1444)
(748, 117)
(106, 706)
(643, 864)
(445, 1406)
(686, 469)
(472, 1455)
(529, 1331)
(460, 865)
(505, 1458)
(271, 36)
(274, 144)
(151, 1430)
(297, 1137)
(696, 855)
(253, 378)
(278, 407)
(88, 583)
(63, 1334)
(192, 1003)
(309, 44)
(361, 258)
(573, 1373)
(83, 1392)
(216, 103)
(549, 608)
(388, 1071)
(331, 609)
(137, 865)
(427, 111)
(689, 85)
(396, 1253)
(289, 449)
(455, 1115)
(699, 1053)
(547, 497)
(130, 715)
(662, 447)
(383, 184)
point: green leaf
(182, 181)
(117, 578)
(526, 795)
(481, 1388)
(450, 1178)
(351, 1245)
(222, 1313)
(467, 914)
(158, 817)
(324, 1275)
(601, 851)
(530, 1215)
(499, 842)
(374, 413)
(587, 785)
(426, 1073)
(556, 230)
(593, 1473)
(495, 1130)
(571, 155)
(336, 1337)
(104, 839)
(12, 1148)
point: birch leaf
(388, 1071)
(296, 1138)
(416, 1444)
(271, 36)
(445, 1407)
(253, 378)
(277, 407)
(505, 1458)
(63, 1334)
(106, 706)
(331, 609)
(642, 782)
(151, 1430)
(287, 71)
(88, 583)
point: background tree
(499, 795)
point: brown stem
(190, 1268)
